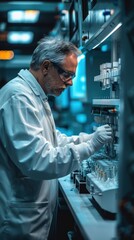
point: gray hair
(53, 49)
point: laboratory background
(95, 202)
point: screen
(78, 90)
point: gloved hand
(102, 135)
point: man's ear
(45, 66)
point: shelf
(106, 102)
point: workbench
(90, 223)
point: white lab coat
(33, 155)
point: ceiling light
(28, 16)
(20, 37)
(6, 55)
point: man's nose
(69, 82)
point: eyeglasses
(66, 74)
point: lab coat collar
(33, 83)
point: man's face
(59, 77)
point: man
(33, 155)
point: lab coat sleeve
(27, 147)
(76, 139)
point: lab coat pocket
(27, 220)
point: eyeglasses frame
(61, 71)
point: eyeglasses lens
(65, 74)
